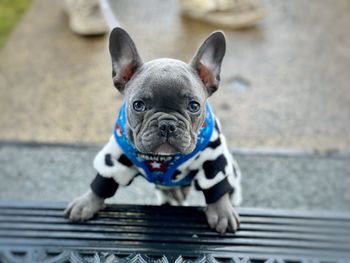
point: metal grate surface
(37, 232)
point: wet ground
(285, 82)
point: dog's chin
(165, 149)
(168, 149)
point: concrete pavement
(285, 83)
(284, 181)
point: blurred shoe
(235, 14)
(85, 17)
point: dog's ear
(207, 61)
(125, 58)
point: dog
(166, 132)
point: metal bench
(37, 232)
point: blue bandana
(159, 169)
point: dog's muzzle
(167, 128)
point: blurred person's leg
(85, 17)
(224, 13)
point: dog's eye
(194, 107)
(139, 106)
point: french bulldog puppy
(166, 132)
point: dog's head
(165, 98)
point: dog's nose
(167, 128)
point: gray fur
(207, 61)
(166, 87)
(221, 215)
(84, 207)
(125, 58)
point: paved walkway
(285, 82)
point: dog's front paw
(84, 207)
(221, 215)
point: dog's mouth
(165, 149)
(149, 142)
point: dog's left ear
(207, 61)
(125, 58)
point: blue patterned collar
(160, 169)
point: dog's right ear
(125, 58)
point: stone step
(271, 179)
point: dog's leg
(84, 207)
(222, 216)
(235, 181)
(236, 196)
(173, 195)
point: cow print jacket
(214, 170)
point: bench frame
(37, 232)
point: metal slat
(183, 230)
(198, 217)
(255, 212)
(186, 232)
(178, 226)
(189, 249)
(175, 239)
